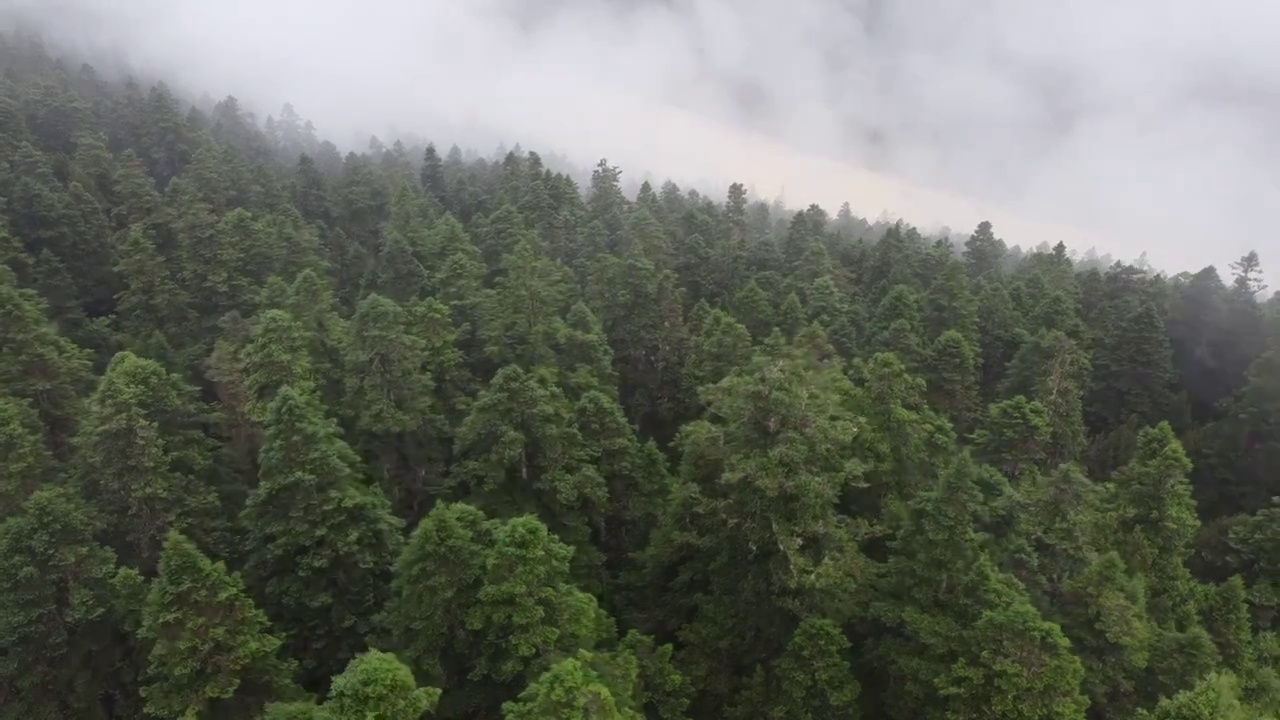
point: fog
(1144, 125)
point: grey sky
(1144, 124)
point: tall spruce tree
(320, 543)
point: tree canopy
(410, 431)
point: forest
(415, 432)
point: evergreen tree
(1155, 516)
(24, 455)
(152, 311)
(479, 605)
(811, 680)
(984, 252)
(1000, 335)
(519, 452)
(953, 378)
(760, 481)
(141, 459)
(212, 653)
(961, 638)
(1051, 369)
(376, 683)
(320, 545)
(391, 395)
(59, 623)
(1214, 698)
(39, 365)
(1132, 370)
(577, 688)
(721, 345)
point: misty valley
(299, 431)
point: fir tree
(320, 545)
(212, 650)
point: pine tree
(389, 388)
(812, 679)
(1052, 370)
(376, 684)
(952, 375)
(39, 365)
(791, 316)
(903, 444)
(760, 480)
(479, 605)
(141, 459)
(1133, 371)
(1014, 438)
(320, 545)
(1156, 518)
(836, 313)
(896, 326)
(311, 194)
(751, 307)
(577, 688)
(1216, 697)
(950, 305)
(984, 252)
(136, 199)
(276, 355)
(151, 311)
(586, 360)
(1000, 335)
(58, 619)
(432, 174)
(963, 640)
(720, 346)
(24, 455)
(212, 654)
(525, 319)
(519, 452)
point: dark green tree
(319, 544)
(142, 458)
(59, 627)
(212, 652)
(24, 455)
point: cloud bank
(1146, 125)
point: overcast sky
(1134, 125)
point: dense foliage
(289, 434)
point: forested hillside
(412, 433)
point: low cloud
(1139, 126)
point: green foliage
(320, 545)
(39, 365)
(660, 455)
(952, 372)
(377, 685)
(58, 621)
(479, 604)
(754, 519)
(212, 652)
(141, 458)
(574, 690)
(1214, 698)
(24, 455)
(963, 636)
(1014, 436)
(810, 680)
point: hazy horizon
(1147, 127)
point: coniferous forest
(413, 432)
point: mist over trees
(292, 434)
